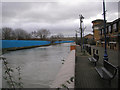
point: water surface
(39, 66)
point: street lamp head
(81, 17)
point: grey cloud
(55, 16)
(51, 12)
(46, 11)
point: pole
(83, 39)
(83, 36)
(104, 13)
(118, 62)
(81, 17)
(76, 38)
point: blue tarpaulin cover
(26, 43)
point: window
(96, 51)
(114, 26)
(117, 27)
(110, 30)
(96, 28)
(107, 31)
(119, 24)
(102, 31)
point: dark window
(117, 27)
(101, 31)
(119, 24)
(106, 30)
(114, 26)
(96, 51)
(110, 29)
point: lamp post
(81, 18)
(76, 36)
(83, 36)
(104, 13)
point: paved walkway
(112, 55)
(85, 74)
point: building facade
(112, 33)
(97, 25)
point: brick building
(112, 33)
(89, 36)
(97, 25)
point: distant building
(89, 36)
(97, 25)
(112, 33)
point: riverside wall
(66, 75)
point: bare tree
(53, 37)
(43, 33)
(13, 36)
(60, 35)
(34, 34)
(21, 34)
(6, 33)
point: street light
(104, 13)
(83, 35)
(81, 18)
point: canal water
(39, 66)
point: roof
(115, 21)
(88, 35)
(97, 20)
(110, 23)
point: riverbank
(65, 77)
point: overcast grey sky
(56, 16)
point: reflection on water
(39, 65)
